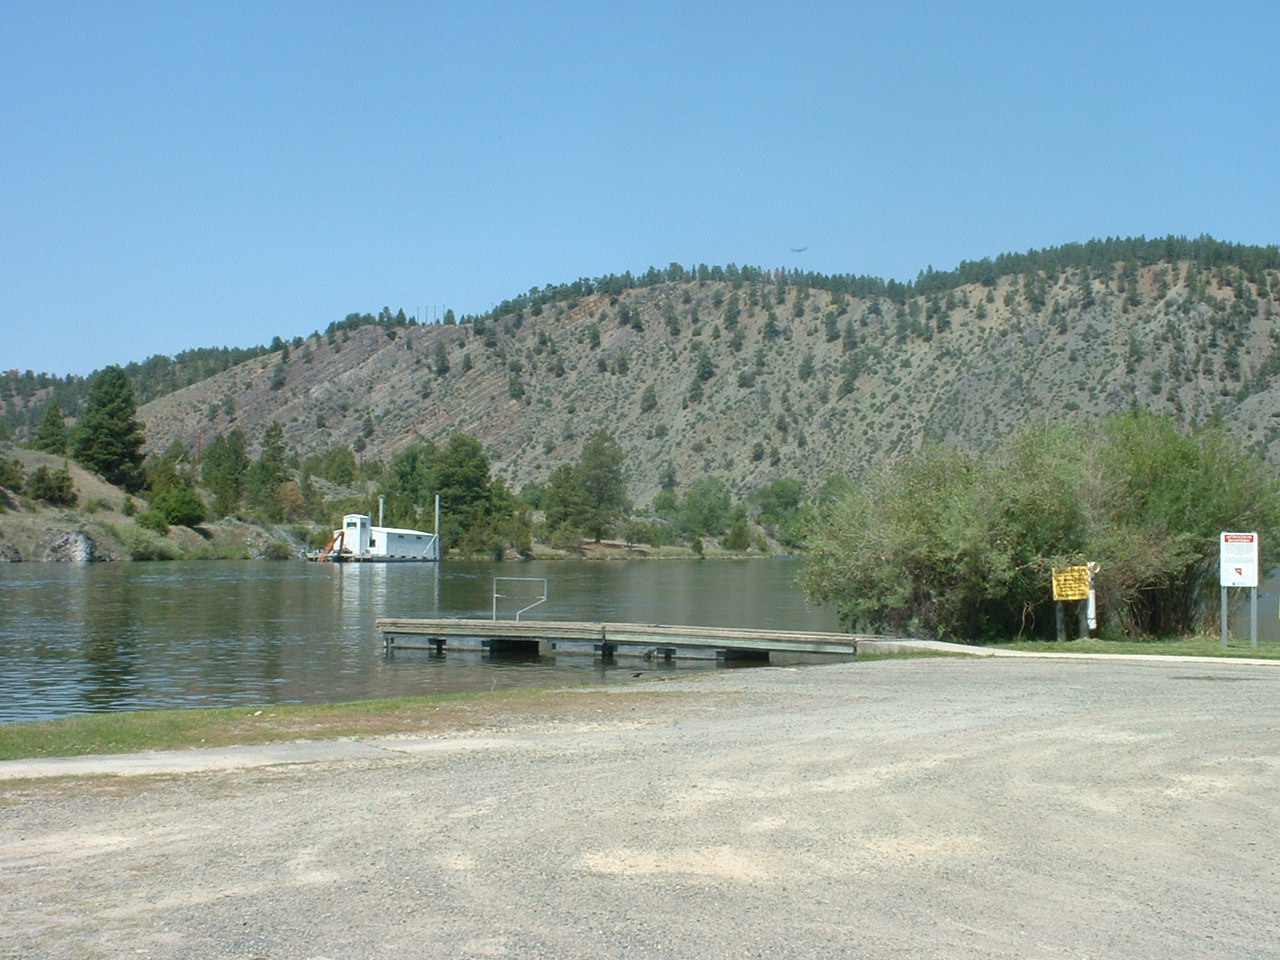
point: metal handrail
(496, 594)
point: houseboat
(361, 541)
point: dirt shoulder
(1010, 807)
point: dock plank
(609, 637)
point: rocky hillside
(102, 525)
(771, 377)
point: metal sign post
(1238, 567)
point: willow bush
(956, 545)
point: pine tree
(52, 486)
(51, 435)
(262, 483)
(591, 495)
(601, 472)
(225, 466)
(108, 438)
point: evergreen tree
(51, 435)
(108, 438)
(408, 484)
(648, 399)
(339, 466)
(462, 481)
(591, 495)
(262, 485)
(600, 469)
(179, 505)
(565, 499)
(225, 467)
(52, 486)
(10, 477)
(738, 538)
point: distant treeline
(160, 375)
(1095, 255)
(154, 377)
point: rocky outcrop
(72, 547)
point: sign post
(1238, 567)
(1073, 584)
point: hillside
(754, 379)
(102, 525)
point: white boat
(360, 541)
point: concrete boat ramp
(644, 640)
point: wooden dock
(646, 640)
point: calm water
(86, 638)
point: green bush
(142, 544)
(153, 521)
(566, 537)
(277, 550)
(11, 475)
(52, 486)
(180, 506)
(738, 538)
(952, 545)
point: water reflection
(85, 638)
(110, 654)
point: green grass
(1198, 646)
(129, 732)
(921, 654)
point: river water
(86, 638)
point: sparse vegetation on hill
(761, 389)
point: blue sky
(216, 174)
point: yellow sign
(1071, 583)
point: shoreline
(233, 737)
(877, 810)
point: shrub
(180, 506)
(738, 538)
(11, 475)
(154, 521)
(277, 550)
(52, 486)
(566, 537)
(143, 544)
(952, 545)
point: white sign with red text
(1238, 559)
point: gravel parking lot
(894, 809)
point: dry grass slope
(802, 383)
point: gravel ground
(943, 808)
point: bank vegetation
(960, 546)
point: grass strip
(1198, 646)
(134, 731)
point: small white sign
(1238, 559)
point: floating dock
(648, 641)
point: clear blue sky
(176, 175)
